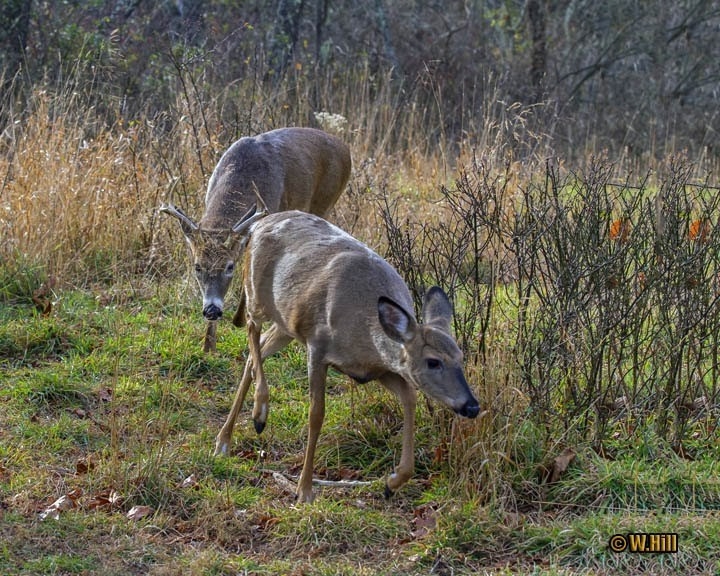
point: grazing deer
(289, 169)
(353, 312)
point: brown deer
(289, 168)
(353, 312)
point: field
(587, 313)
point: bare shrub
(606, 291)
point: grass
(100, 398)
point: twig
(289, 482)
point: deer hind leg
(317, 373)
(271, 341)
(408, 398)
(210, 337)
(262, 394)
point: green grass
(114, 396)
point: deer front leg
(222, 441)
(408, 398)
(271, 342)
(317, 373)
(210, 337)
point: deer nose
(470, 409)
(212, 312)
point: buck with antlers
(352, 311)
(289, 168)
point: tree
(285, 34)
(14, 28)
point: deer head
(214, 254)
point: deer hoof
(388, 492)
(259, 426)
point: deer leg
(408, 398)
(317, 373)
(262, 394)
(222, 441)
(272, 341)
(210, 337)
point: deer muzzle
(212, 311)
(470, 409)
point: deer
(353, 312)
(288, 168)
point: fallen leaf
(41, 299)
(620, 230)
(75, 495)
(348, 474)
(104, 499)
(699, 230)
(265, 521)
(83, 466)
(52, 512)
(550, 473)
(105, 394)
(189, 482)
(248, 454)
(140, 512)
(424, 521)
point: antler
(250, 217)
(185, 220)
(254, 214)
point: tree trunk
(14, 27)
(285, 34)
(538, 62)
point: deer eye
(433, 364)
(198, 269)
(229, 269)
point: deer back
(290, 168)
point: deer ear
(396, 322)
(437, 309)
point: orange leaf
(620, 230)
(699, 230)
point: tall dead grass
(79, 194)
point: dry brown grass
(79, 196)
